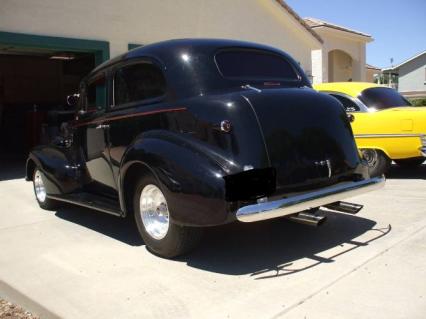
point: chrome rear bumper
(301, 202)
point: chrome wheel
(370, 156)
(154, 211)
(39, 188)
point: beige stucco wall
(340, 66)
(351, 44)
(129, 21)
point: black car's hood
(307, 136)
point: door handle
(102, 126)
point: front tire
(161, 235)
(40, 192)
(377, 161)
(410, 162)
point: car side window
(348, 104)
(96, 93)
(138, 82)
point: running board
(96, 202)
(344, 207)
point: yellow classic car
(385, 125)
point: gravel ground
(11, 311)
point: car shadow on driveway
(398, 172)
(263, 250)
(122, 229)
(281, 247)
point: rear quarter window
(138, 82)
(381, 98)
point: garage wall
(128, 21)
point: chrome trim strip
(386, 135)
(248, 86)
(301, 202)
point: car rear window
(382, 98)
(254, 64)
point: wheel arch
(376, 148)
(29, 169)
(192, 180)
(129, 177)
(30, 166)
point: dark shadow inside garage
(33, 90)
(34, 84)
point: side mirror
(72, 99)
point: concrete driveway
(76, 263)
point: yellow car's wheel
(377, 161)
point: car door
(139, 89)
(94, 137)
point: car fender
(191, 176)
(55, 166)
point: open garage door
(36, 75)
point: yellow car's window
(382, 98)
(348, 104)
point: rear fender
(190, 174)
(392, 147)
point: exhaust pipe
(344, 207)
(308, 218)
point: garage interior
(34, 84)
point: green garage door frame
(99, 48)
(132, 46)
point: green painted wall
(131, 46)
(99, 48)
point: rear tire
(377, 161)
(410, 162)
(40, 192)
(161, 235)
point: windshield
(255, 65)
(381, 98)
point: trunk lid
(307, 136)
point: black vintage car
(185, 134)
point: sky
(398, 27)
